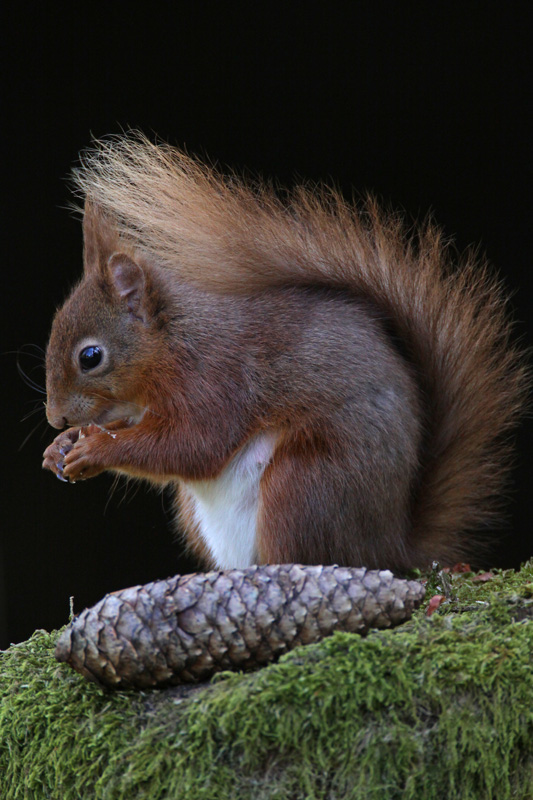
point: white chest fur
(225, 508)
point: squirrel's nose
(56, 419)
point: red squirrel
(319, 385)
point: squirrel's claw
(59, 473)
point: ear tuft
(128, 281)
(100, 238)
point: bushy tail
(452, 318)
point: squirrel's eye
(90, 357)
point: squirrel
(319, 383)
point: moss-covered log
(438, 708)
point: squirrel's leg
(315, 508)
(151, 449)
(299, 493)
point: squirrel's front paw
(69, 456)
(80, 460)
(55, 454)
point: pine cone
(186, 628)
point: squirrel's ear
(128, 282)
(99, 236)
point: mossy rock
(441, 707)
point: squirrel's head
(103, 339)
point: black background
(424, 104)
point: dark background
(425, 104)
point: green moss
(470, 587)
(439, 708)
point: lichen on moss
(440, 707)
